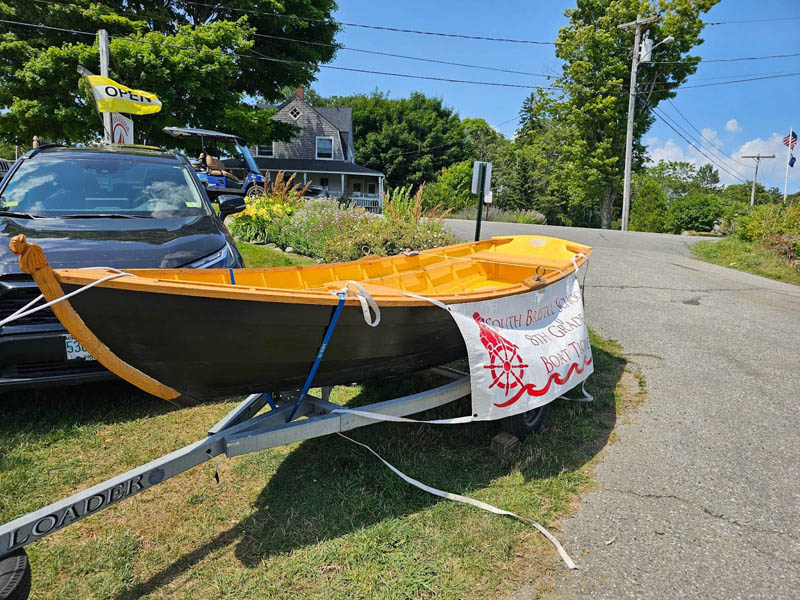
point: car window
(100, 185)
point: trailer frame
(242, 431)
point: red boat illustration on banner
(508, 369)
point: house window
(264, 150)
(371, 189)
(325, 147)
(295, 113)
(356, 188)
(323, 181)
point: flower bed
(330, 232)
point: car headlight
(222, 258)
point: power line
(710, 60)
(703, 137)
(403, 56)
(699, 149)
(700, 85)
(769, 20)
(74, 31)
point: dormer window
(325, 147)
(295, 113)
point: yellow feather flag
(115, 97)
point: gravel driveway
(701, 492)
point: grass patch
(256, 255)
(318, 519)
(747, 256)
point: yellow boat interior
(464, 272)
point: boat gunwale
(326, 294)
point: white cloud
(770, 171)
(711, 137)
(732, 126)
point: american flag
(790, 140)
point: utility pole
(758, 158)
(104, 60)
(626, 185)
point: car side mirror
(230, 204)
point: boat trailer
(242, 431)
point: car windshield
(102, 185)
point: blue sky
(736, 119)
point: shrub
(452, 188)
(766, 219)
(649, 208)
(694, 212)
(527, 217)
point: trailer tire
(15, 576)
(524, 424)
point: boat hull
(207, 347)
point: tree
(203, 60)
(452, 189)
(740, 193)
(708, 177)
(648, 207)
(592, 100)
(484, 142)
(409, 139)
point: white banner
(525, 350)
(121, 129)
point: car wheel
(15, 576)
(524, 424)
(252, 191)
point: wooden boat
(208, 333)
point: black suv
(114, 206)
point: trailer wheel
(15, 576)
(524, 424)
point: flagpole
(788, 158)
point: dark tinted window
(102, 184)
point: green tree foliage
(697, 211)
(409, 139)
(648, 207)
(741, 192)
(592, 102)
(202, 60)
(452, 188)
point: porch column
(380, 192)
(305, 178)
(342, 184)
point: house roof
(300, 165)
(341, 118)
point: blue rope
(269, 400)
(233, 279)
(322, 347)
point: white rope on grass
(477, 503)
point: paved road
(702, 489)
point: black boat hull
(212, 347)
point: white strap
(24, 313)
(366, 300)
(587, 397)
(431, 300)
(575, 260)
(477, 503)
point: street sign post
(481, 185)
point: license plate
(75, 350)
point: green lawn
(256, 255)
(747, 256)
(318, 519)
